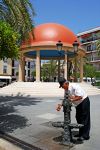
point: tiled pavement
(34, 108)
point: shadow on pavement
(9, 120)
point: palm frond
(18, 14)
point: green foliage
(97, 74)
(49, 70)
(18, 14)
(97, 84)
(89, 70)
(33, 73)
(8, 41)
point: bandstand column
(81, 69)
(21, 68)
(65, 66)
(38, 66)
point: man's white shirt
(76, 90)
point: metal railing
(90, 39)
(94, 59)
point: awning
(5, 77)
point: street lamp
(75, 46)
(61, 51)
(59, 46)
(67, 136)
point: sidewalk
(34, 114)
(5, 145)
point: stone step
(42, 89)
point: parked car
(2, 84)
(5, 80)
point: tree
(98, 47)
(89, 71)
(8, 41)
(49, 70)
(18, 14)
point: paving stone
(35, 113)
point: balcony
(94, 59)
(90, 40)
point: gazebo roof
(50, 32)
(45, 38)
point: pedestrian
(82, 103)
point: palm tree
(49, 70)
(52, 69)
(18, 14)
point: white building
(10, 67)
(88, 41)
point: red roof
(50, 33)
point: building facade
(88, 41)
(10, 67)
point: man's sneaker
(80, 139)
(77, 135)
(86, 138)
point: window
(5, 60)
(4, 69)
(28, 73)
(28, 64)
(89, 48)
(12, 63)
(94, 46)
(16, 63)
(13, 72)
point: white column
(65, 66)
(21, 68)
(38, 66)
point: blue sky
(77, 15)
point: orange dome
(50, 33)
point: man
(82, 103)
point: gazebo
(43, 46)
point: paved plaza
(27, 110)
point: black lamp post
(67, 136)
(59, 46)
(61, 51)
(75, 45)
